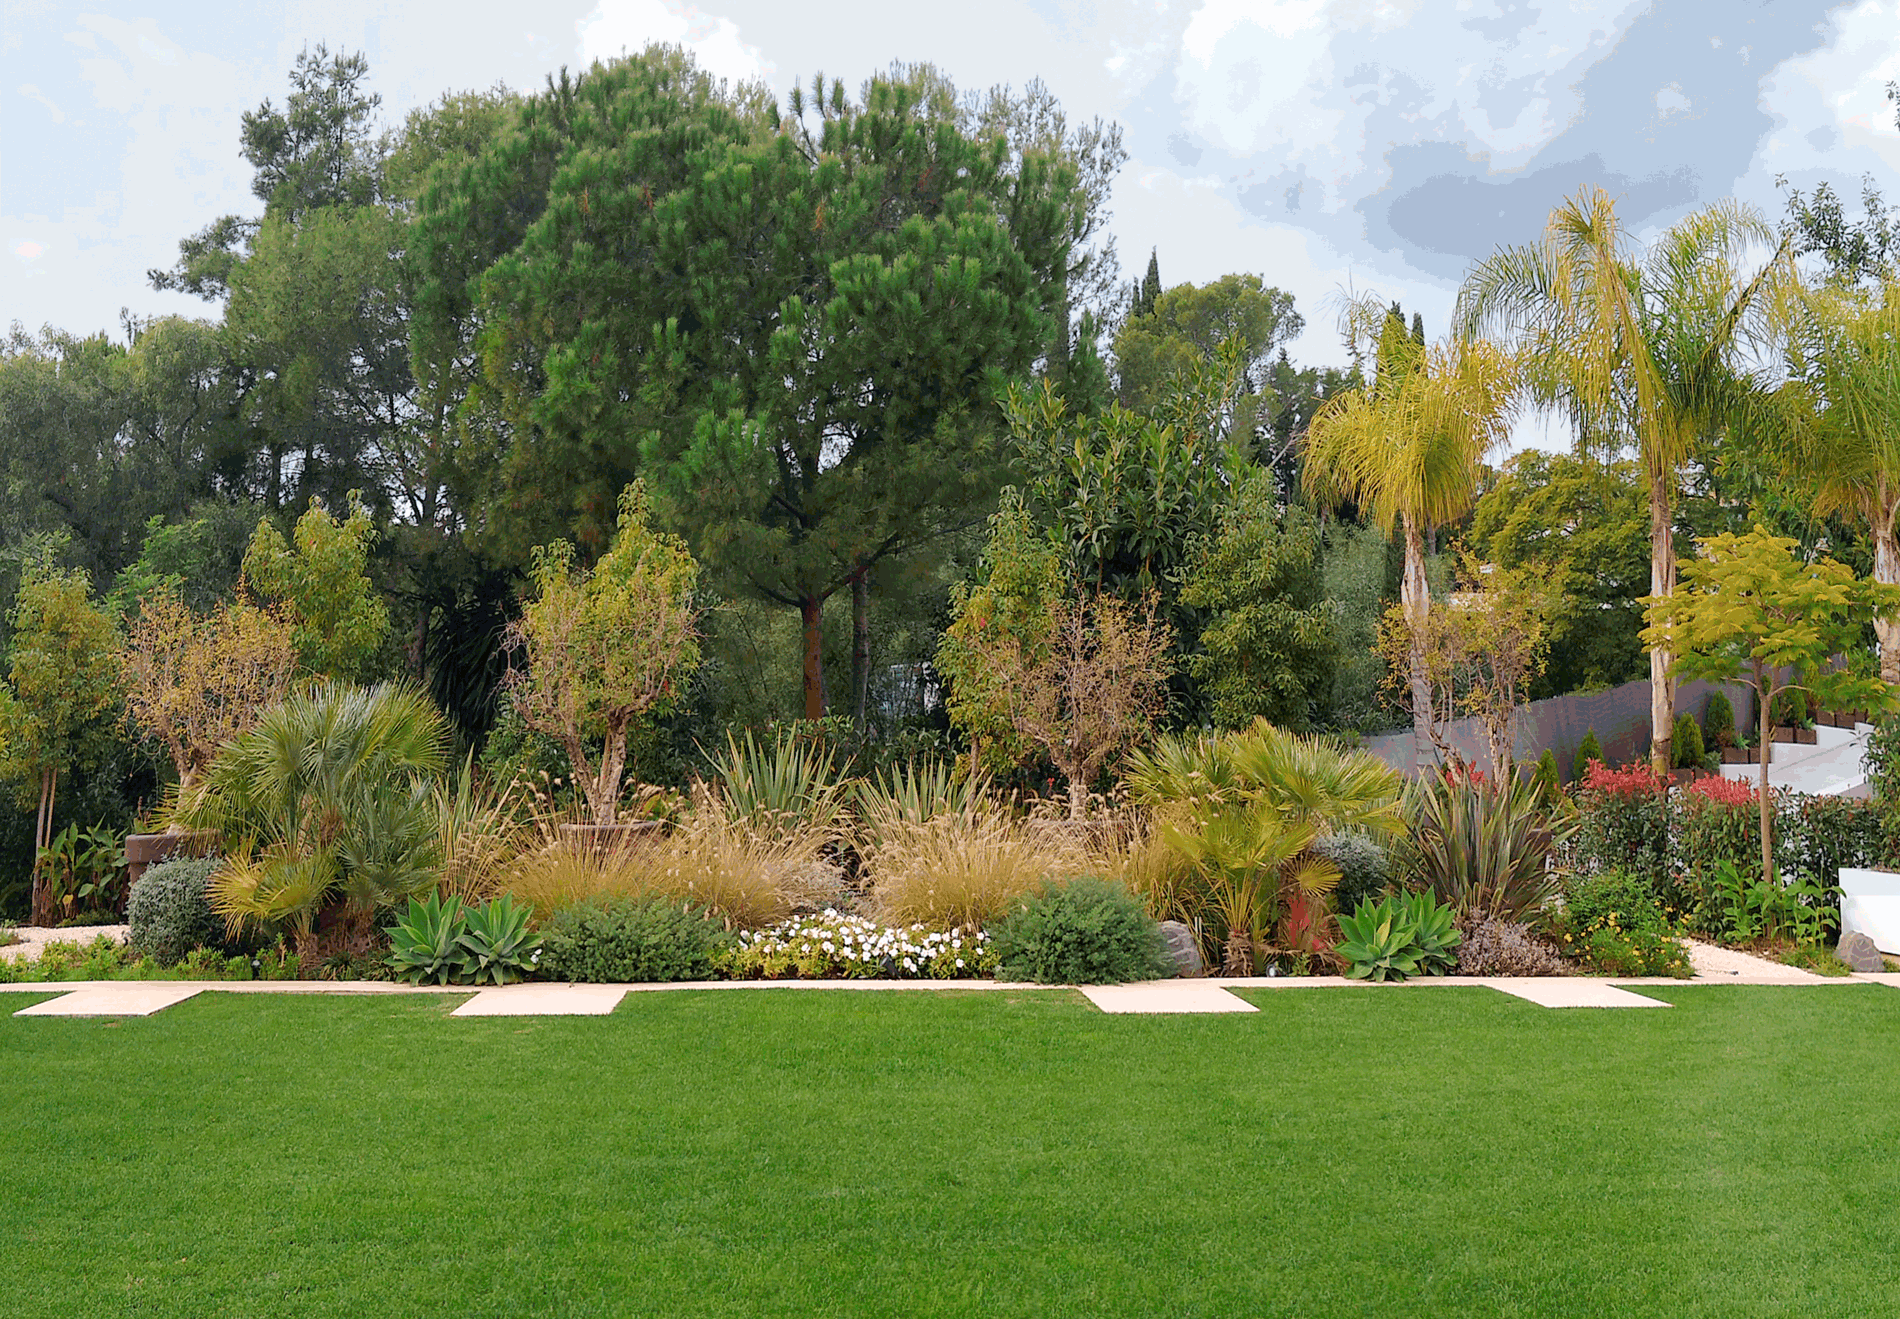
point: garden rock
(1183, 949)
(1858, 951)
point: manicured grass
(1384, 1153)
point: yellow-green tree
(196, 681)
(322, 583)
(1406, 448)
(1638, 347)
(1750, 609)
(603, 647)
(56, 709)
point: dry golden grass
(708, 860)
(967, 867)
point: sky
(1329, 146)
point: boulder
(1184, 950)
(1858, 951)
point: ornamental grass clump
(834, 946)
(708, 861)
(1483, 847)
(962, 869)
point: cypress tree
(1150, 287)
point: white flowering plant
(835, 946)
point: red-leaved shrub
(1630, 781)
(1725, 792)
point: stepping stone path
(131, 999)
(540, 1000)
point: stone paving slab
(126, 998)
(1572, 992)
(1878, 977)
(1165, 996)
(542, 1000)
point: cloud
(628, 25)
(1423, 133)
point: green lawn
(1413, 1152)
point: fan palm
(1637, 347)
(1245, 810)
(333, 795)
(1407, 448)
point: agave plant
(330, 798)
(1483, 847)
(1398, 937)
(1247, 809)
(426, 943)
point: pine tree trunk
(861, 647)
(811, 612)
(1662, 582)
(1415, 599)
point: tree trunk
(1887, 570)
(1415, 598)
(1078, 795)
(1765, 696)
(41, 900)
(861, 647)
(1662, 582)
(811, 611)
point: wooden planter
(604, 838)
(1806, 737)
(1739, 756)
(1842, 718)
(143, 850)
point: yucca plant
(789, 785)
(1483, 847)
(915, 793)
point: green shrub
(1718, 723)
(623, 941)
(1544, 780)
(1083, 932)
(1685, 743)
(1587, 750)
(1791, 709)
(1365, 867)
(1612, 923)
(169, 911)
(1623, 821)
(1397, 937)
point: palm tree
(1839, 420)
(1245, 809)
(1637, 347)
(333, 795)
(1406, 448)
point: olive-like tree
(601, 648)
